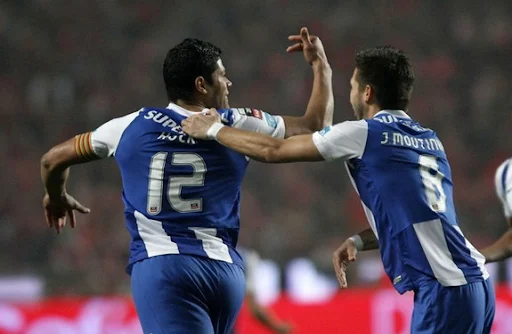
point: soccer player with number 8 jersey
(182, 195)
(401, 173)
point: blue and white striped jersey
(181, 195)
(403, 178)
(503, 185)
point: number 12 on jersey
(176, 183)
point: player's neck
(191, 106)
(372, 111)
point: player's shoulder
(359, 126)
(250, 112)
(119, 122)
(231, 116)
(504, 169)
(236, 113)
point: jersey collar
(182, 111)
(396, 113)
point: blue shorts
(187, 294)
(465, 309)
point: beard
(359, 111)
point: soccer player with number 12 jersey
(182, 195)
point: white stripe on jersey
(475, 254)
(433, 241)
(155, 239)
(212, 245)
(105, 138)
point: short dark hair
(184, 63)
(388, 71)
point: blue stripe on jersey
(504, 177)
(413, 258)
(181, 195)
(461, 254)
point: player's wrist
(57, 197)
(357, 241)
(320, 64)
(214, 130)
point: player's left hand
(311, 46)
(341, 258)
(56, 211)
(197, 126)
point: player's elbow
(312, 124)
(49, 160)
(46, 161)
(317, 122)
(271, 155)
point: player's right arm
(502, 248)
(347, 252)
(55, 164)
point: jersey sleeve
(503, 185)
(251, 262)
(104, 140)
(254, 120)
(345, 140)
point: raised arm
(319, 112)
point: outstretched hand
(342, 257)
(311, 46)
(57, 210)
(197, 126)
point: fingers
(304, 36)
(48, 217)
(214, 113)
(340, 275)
(351, 254)
(298, 38)
(61, 222)
(294, 48)
(80, 208)
(72, 218)
(54, 220)
(338, 269)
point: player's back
(181, 195)
(404, 180)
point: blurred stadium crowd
(68, 66)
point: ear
(368, 93)
(200, 84)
